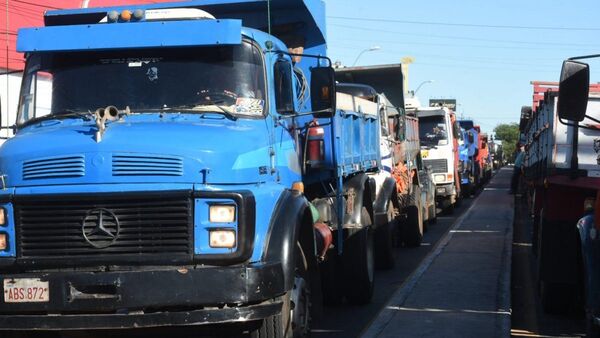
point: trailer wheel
(556, 298)
(450, 208)
(591, 328)
(412, 231)
(331, 272)
(359, 263)
(384, 241)
(432, 214)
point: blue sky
(488, 70)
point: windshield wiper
(64, 114)
(194, 108)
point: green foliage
(509, 135)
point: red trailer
(562, 172)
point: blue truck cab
(176, 164)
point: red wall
(29, 13)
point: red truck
(563, 176)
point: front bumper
(149, 298)
(443, 191)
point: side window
(36, 98)
(284, 92)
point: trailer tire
(432, 214)
(331, 272)
(384, 241)
(450, 209)
(359, 263)
(412, 231)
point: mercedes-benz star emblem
(100, 228)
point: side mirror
(456, 129)
(573, 90)
(323, 89)
(284, 92)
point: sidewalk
(462, 288)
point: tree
(508, 133)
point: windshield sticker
(249, 106)
(131, 62)
(152, 73)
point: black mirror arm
(577, 125)
(584, 57)
(319, 57)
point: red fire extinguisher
(316, 149)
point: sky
(488, 70)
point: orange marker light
(126, 15)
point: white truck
(439, 150)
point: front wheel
(294, 319)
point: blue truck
(189, 165)
(468, 151)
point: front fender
(284, 231)
(386, 194)
(356, 189)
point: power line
(34, 4)
(463, 24)
(461, 38)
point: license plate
(26, 290)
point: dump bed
(549, 143)
(350, 141)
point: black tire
(294, 319)
(556, 298)
(272, 327)
(359, 263)
(432, 214)
(591, 328)
(384, 241)
(450, 209)
(331, 272)
(412, 230)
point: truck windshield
(432, 129)
(203, 79)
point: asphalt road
(349, 321)
(528, 319)
(344, 321)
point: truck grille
(437, 166)
(54, 167)
(144, 165)
(149, 224)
